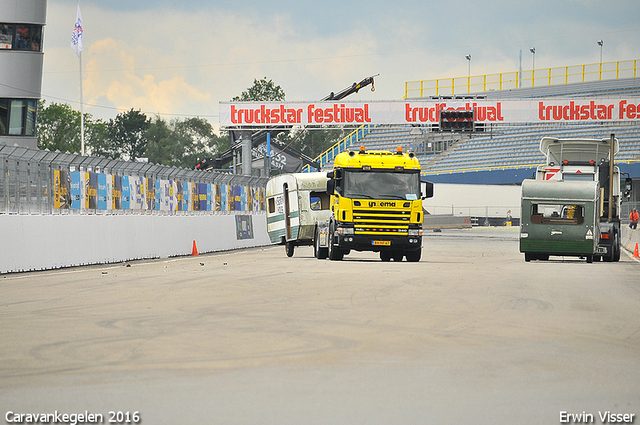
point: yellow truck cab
(376, 205)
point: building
(21, 57)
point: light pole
(533, 52)
(600, 43)
(468, 57)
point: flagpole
(81, 99)
(81, 108)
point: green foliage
(58, 127)
(313, 141)
(127, 135)
(96, 138)
(132, 134)
(261, 90)
(181, 143)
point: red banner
(267, 114)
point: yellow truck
(376, 205)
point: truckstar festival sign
(259, 114)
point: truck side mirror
(628, 187)
(331, 186)
(426, 188)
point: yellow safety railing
(522, 79)
(351, 139)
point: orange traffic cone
(635, 252)
(194, 251)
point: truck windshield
(381, 185)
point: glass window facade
(18, 117)
(21, 37)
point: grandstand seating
(512, 145)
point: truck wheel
(413, 256)
(397, 256)
(616, 249)
(589, 258)
(334, 252)
(527, 257)
(319, 252)
(288, 248)
(385, 255)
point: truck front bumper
(379, 243)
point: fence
(42, 182)
(522, 79)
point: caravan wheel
(288, 248)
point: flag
(76, 36)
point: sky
(180, 59)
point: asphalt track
(469, 335)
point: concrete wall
(630, 238)
(31, 242)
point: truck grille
(387, 222)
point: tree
(162, 146)
(96, 137)
(198, 140)
(127, 135)
(58, 127)
(181, 143)
(262, 91)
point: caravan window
(272, 205)
(319, 201)
(557, 213)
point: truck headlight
(415, 232)
(345, 230)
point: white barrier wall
(476, 200)
(40, 242)
(630, 238)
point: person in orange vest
(634, 218)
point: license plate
(383, 243)
(601, 250)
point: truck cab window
(382, 185)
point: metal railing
(33, 181)
(351, 139)
(522, 79)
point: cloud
(184, 58)
(111, 73)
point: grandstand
(508, 153)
